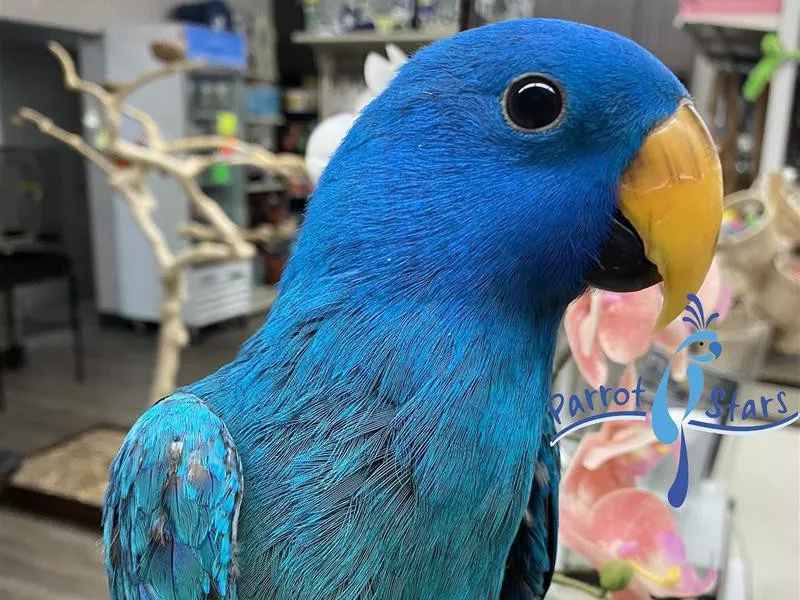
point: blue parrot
(385, 434)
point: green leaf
(770, 44)
(760, 76)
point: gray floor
(47, 560)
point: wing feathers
(170, 513)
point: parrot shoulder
(172, 505)
(531, 561)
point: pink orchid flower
(604, 517)
(629, 448)
(605, 326)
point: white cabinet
(128, 281)
(218, 293)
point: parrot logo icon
(664, 428)
(726, 414)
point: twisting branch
(151, 132)
(74, 83)
(127, 89)
(289, 166)
(128, 165)
(74, 141)
(211, 212)
(130, 184)
(265, 234)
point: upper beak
(671, 196)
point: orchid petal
(639, 438)
(625, 326)
(591, 363)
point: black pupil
(533, 103)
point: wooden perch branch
(212, 212)
(265, 234)
(285, 164)
(73, 82)
(151, 132)
(74, 141)
(183, 66)
(219, 240)
(130, 184)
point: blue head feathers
(435, 192)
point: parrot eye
(533, 103)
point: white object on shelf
(324, 141)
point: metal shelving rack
(733, 41)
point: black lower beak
(622, 265)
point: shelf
(223, 71)
(358, 40)
(305, 114)
(256, 121)
(765, 23)
(205, 114)
(252, 77)
(206, 183)
(732, 40)
(266, 187)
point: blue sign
(218, 48)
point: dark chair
(23, 267)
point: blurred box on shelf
(300, 100)
(336, 17)
(748, 240)
(263, 100)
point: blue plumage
(169, 524)
(390, 414)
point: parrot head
(526, 159)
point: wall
(30, 76)
(93, 16)
(648, 22)
(86, 16)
